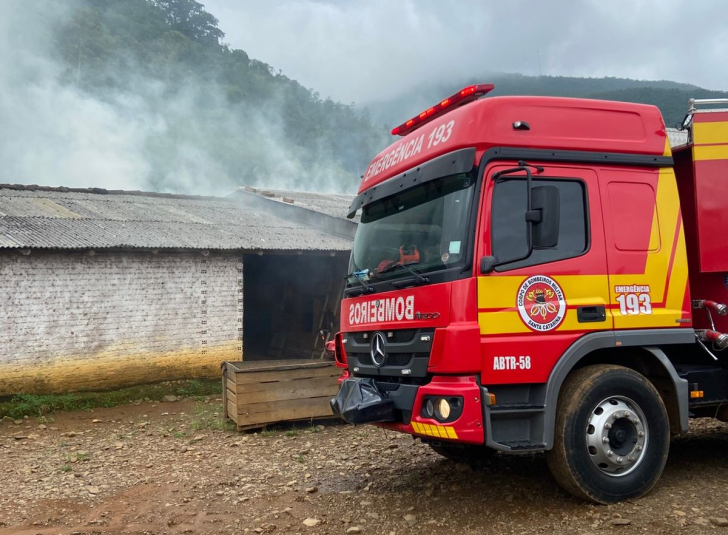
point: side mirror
(545, 199)
(487, 264)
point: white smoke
(56, 133)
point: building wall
(72, 321)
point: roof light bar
(463, 96)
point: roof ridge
(33, 217)
(104, 191)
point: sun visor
(452, 163)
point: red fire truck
(542, 274)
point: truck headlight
(442, 409)
(428, 411)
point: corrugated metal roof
(58, 218)
(332, 204)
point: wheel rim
(617, 436)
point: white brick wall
(72, 321)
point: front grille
(406, 349)
(400, 336)
(398, 359)
(364, 358)
(393, 359)
(359, 337)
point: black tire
(595, 473)
(463, 453)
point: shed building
(102, 289)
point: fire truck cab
(542, 274)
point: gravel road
(162, 468)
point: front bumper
(365, 400)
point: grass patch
(197, 388)
(41, 406)
(210, 417)
(65, 468)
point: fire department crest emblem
(541, 303)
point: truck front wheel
(612, 434)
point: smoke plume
(71, 122)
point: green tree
(191, 20)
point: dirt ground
(145, 469)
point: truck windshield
(423, 228)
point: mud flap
(360, 401)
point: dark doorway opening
(287, 301)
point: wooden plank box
(256, 394)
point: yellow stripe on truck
(710, 152)
(710, 133)
(437, 431)
(499, 292)
(710, 141)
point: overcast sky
(369, 50)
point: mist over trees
(217, 118)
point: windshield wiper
(420, 279)
(366, 288)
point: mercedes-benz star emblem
(378, 350)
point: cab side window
(509, 228)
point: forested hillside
(670, 97)
(216, 114)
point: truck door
(648, 270)
(531, 310)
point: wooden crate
(256, 394)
